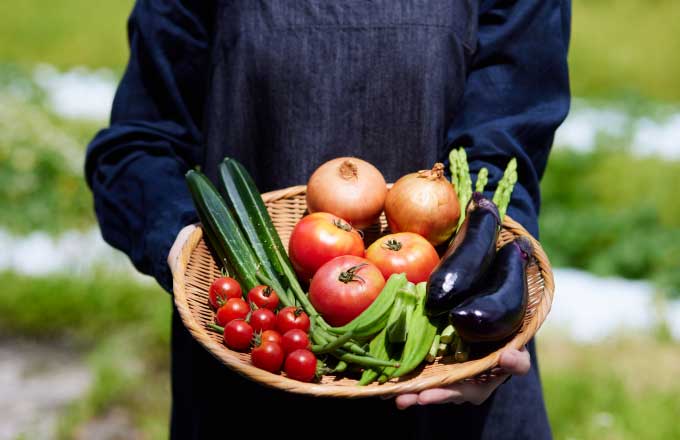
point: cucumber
(252, 212)
(247, 215)
(258, 211)
(222, 231)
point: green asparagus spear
(482, 179)
(505, 186)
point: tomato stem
(267, 292)
(392, 244)
(299, 311)
(351, 274)
(342, 225)
(215, 327)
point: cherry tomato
(235, 308)
(264, 297)
(404, 252)
(238, 334)
(293, 340)
(222, 289)
(290, 318)
(262, 319)
(271, 336)
(344, 287)
(301, 365)
(267, 356)
(317, 239)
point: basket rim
(411, 384)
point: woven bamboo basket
(195, 269)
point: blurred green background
(608, 209)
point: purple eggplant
(497, 309)
(467, 258)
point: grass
(618, 47)
(126, 377)
(615, 390)
(612, 214)
(42, 161)
(65, 33)
(123, 326)
(625, 47)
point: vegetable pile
(331, 305)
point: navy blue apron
(294, 83)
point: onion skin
(349, 188)
(424, 203)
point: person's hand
(177, 245)
(511, 362)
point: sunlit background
(84, 340)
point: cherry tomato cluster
(278, 339)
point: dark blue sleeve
(517, 94)
(136, 166)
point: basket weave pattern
(195, 269)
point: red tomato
(293, 340)
(301, 365)
(262, 319)
(235, 308)
(344, 287)
(267, 356)
(404, 252)
(222, 289)
(271, 336)
(317, 239)
(290, 318)
(264, 297)
(238, 334)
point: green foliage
(625, 47)
(127, 377)
(613, 214)
(41, 176)
(600, 392)
(87, 308)
(125, 327)
(65, 32)
(618, 47)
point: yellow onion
(349, 188)
(425, 203)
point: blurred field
(618, 47)
(606, 211)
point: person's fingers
(403, 401)
(177, 245)
(476, 393)
(515, 362)
(450, 394)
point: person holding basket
(285, 86)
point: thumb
(515, 361)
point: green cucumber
(222, 231)
(255, 211)
(245, 202)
